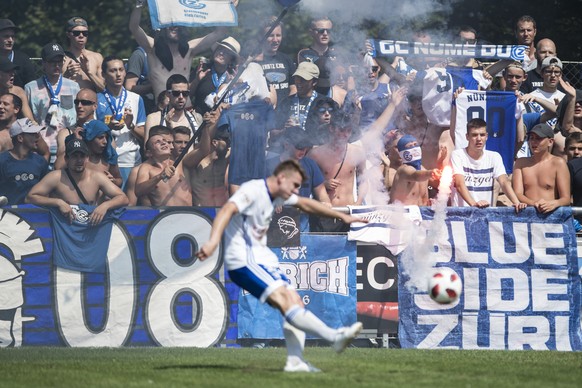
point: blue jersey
(18, 176)
(248, 125)
(500, 112)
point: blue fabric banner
(521, 287)
(192, 13)
(323, 270)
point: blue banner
(153, 292)
(323, 270)
(521, 288)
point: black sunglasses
(324, 109)
(83, 102)
(178, 93)
(374, 68)
(322, 30)
(77, 33)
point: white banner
(192, 13)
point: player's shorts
(259, 280)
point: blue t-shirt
(18, 176)
(314, 179)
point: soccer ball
(444, 286)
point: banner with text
(192, 13)
(323, 270)
(383, 48)
(521, 288)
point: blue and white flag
(500, 111)
(192, 13)
(323, 271)
(382, 48)
(521, 287)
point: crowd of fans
(358, 125)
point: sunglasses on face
(374, 69)
(178, 93)
(322, 30)
(83, 102)
(77, 33)
(324, 109)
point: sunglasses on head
(322, 30)
(83, 102)
(178, 93)
(77, 33)
(324, 109)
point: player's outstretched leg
(345, 336)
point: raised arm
(142, 39)
(192, 159)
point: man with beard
(26, 70)
(10, 108)
(85, 105)
(176, 114)
(124, 112)
(21, 167)
(8, 72)
(57, 190)
(276, 65)
(81, 65)
(169, 51)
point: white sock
(306, 321)
(295, 340)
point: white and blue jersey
(500, 111)
(251, 264)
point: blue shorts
(259, 280)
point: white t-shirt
(479, 175)
(245, 237)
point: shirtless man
(159, 180)
(410, 185)
(208, 178)
(102, 155)
(7, 76)
(85, 105)
(81, 65)
(340, 163)
(542, 180)
(56, 189)
(10, 108)
(171, 44)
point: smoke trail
(420, 258)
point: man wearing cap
(542, 180)
(7, 77)
(81, 65)
(218, 72)
(21, 167)
(57, 190)
(295, 147)
(169, 51)
(26, 71)
(410, 185)
(51, 96)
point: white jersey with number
(245, 237)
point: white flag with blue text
(192, 13)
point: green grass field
(216, 367)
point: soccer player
(244, 220)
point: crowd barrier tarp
(521, 288)
(192, 13)
(323, 271)
(153, 293)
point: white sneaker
(345, 335)
(301, 366)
